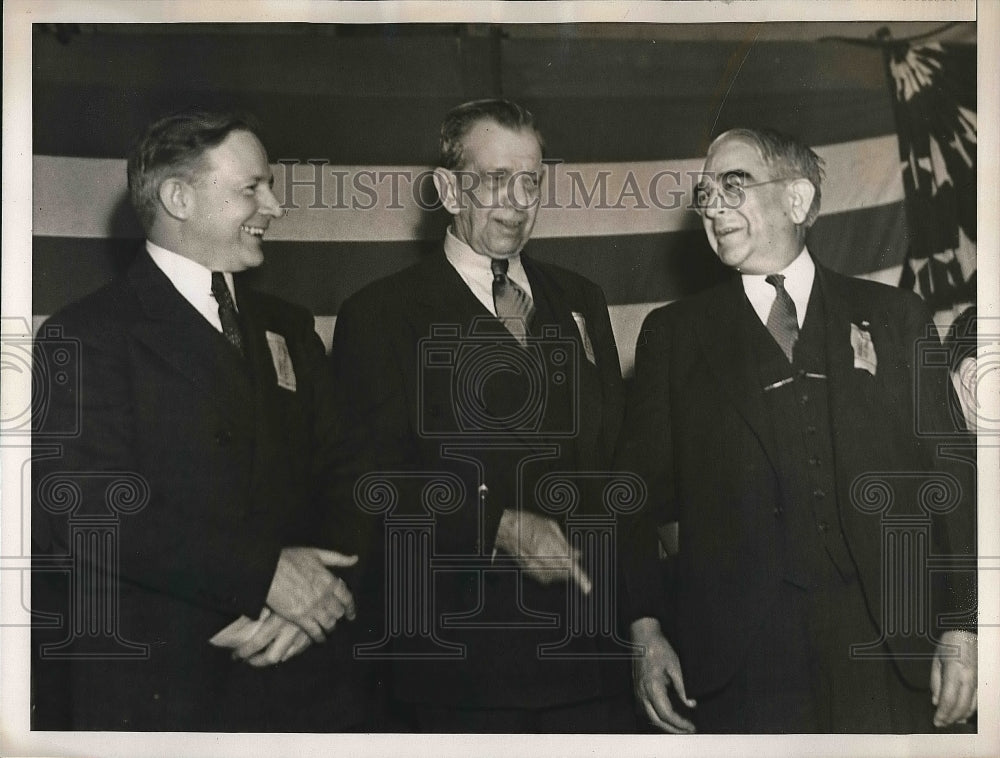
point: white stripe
(626, 320)
(86, 197)
(888, 276)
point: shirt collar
(190, 278)
(799, 276)
(469, 263)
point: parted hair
(460, 120)
(786, 156)
(173, 146)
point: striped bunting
(627, 119)
(387, 203)
(603, 220)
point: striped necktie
(782, 322)
(513, 305)
(227, 312)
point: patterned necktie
(781, 321)
(227, 312)
(514, 306)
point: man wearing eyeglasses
(770, 417)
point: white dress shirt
(476, 272)
(192, 280)
(799, 276)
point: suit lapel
(553, 306)
(440, 290)
(849, 408)
(725, 337)
(177, 333)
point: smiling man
(480, 371)
(206, 407)
(759, 408)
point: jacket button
(819, 494)
(822, 526)
(778, 511)
(814, 460)
(223, 437)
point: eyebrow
(258, 178)
(703, 182)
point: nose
(269, 205)
(522, 193)
(710, 202)
(713, 209)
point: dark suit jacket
(422, 389)
(226, 468)
(696, 431)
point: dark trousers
(800, 676)
(610, 715)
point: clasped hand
(307, 600)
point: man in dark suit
(774, 420)
(200, 475)
(492, 380)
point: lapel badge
(282, 361)
(864, 349)
(581, 325)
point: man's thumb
(333, 558)
(678, 680)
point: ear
(800, 196)
(176, 197)
(445, 183)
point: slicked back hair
(460, 120)
(786, 156)
(174, 146)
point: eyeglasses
(729, 191)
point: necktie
(781, 321)
(514, 307)
(227, 312)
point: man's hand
(276, 640)
(654, 673)
(954, 679)
(540, 547)
(307, 594)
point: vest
(797, 403)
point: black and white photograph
(426, 378)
